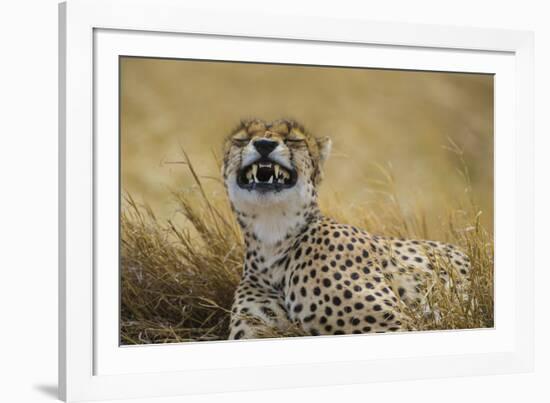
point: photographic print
(266, 200)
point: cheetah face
(272, 163)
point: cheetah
(301, 267)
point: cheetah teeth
(278, 175)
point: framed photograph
(313, 202)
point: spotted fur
(304, 268)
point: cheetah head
(272, 164)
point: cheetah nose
(265, 147)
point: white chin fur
(274, 212)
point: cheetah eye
(240, 142)
(294, 141)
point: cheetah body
(302, 268)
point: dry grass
(178, 281)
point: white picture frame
(94, 33)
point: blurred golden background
(379, 120)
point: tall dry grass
(178, 280)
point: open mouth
(266, 175)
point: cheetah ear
(325, 145)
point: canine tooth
(255, 169)
(270, 179)
(276, 170)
